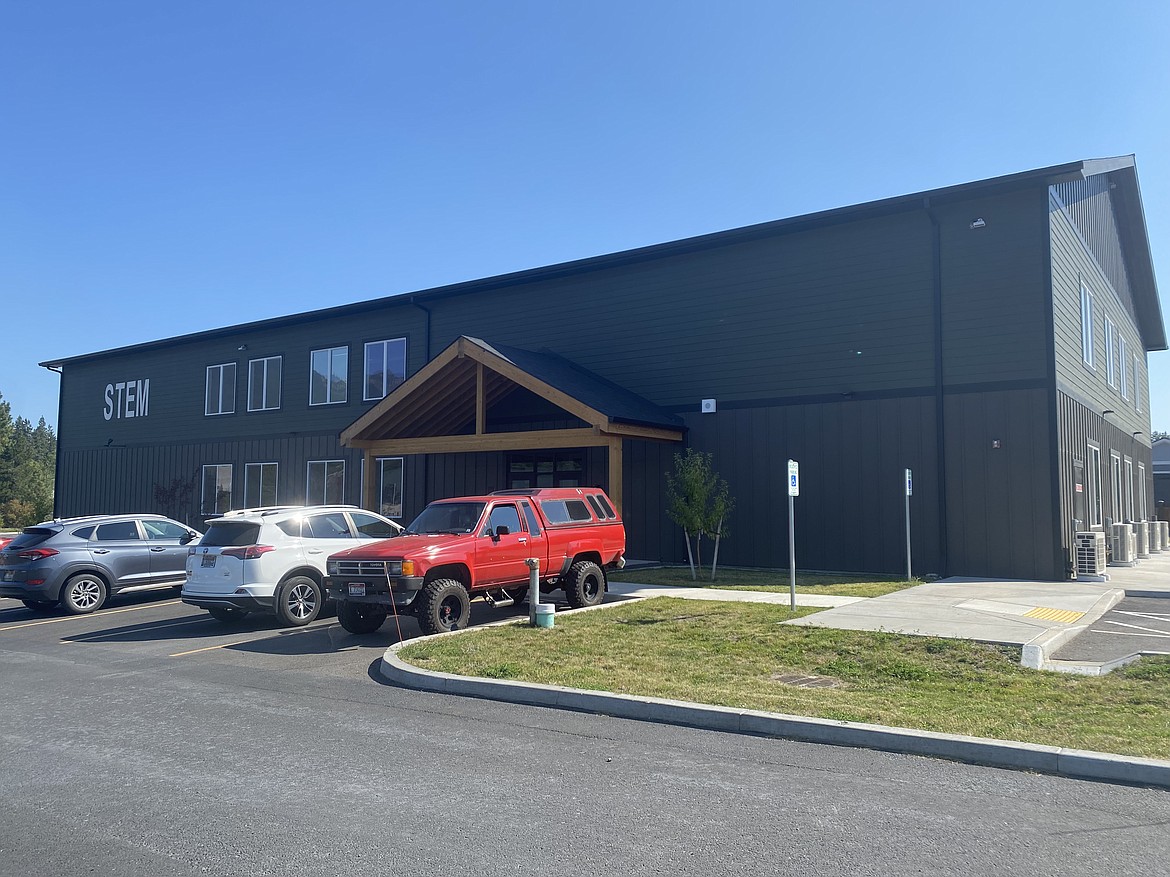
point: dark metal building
(992, 337)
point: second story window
(329, 376)
(385, 367)
(1124, 361)
(1087, 326)
(264, 384)
(221, 389)
(1110, 352)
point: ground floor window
(260, 484)
(390, 486)
(1094, 486)
(325, 483)
(217, 490)
(529, 469)
(1142, 491)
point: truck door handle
(314, 551)
(101, 551)
(522, 540)
(158, 548)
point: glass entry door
(528, 469)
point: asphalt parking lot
(1135, 625)
(149, 740)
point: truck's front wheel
(584, 584)
(360, 617)
(443, 605)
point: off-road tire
(360, 617)
(441, 606)
(39, 605)
(83, 593)
(226, 613)
(584, 584)
(298, 601)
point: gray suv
(80, 562)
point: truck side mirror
(501, 530)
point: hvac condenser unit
(1124, 545)
(1164, 526)
(1142, 531)
(1090, 554)
(1155, 537)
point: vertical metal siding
(1088, 205)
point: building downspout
(57, 454)
(939, 401)
(426, 471)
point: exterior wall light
(978, 223)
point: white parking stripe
(254, 640)
(1154, 616)
(113, 635)
(1135, 627)
(1126, 633)
(103, 613)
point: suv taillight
(248, 552)
(37, 553)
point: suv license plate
(357, 589)
(208, 560)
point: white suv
(273, 559)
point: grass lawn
(734, 579)
(733, 654)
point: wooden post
(370, 489)
(615, 472)
(480, 400)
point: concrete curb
(1035, 653)
(1074, 763)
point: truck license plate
(357, 589)
(208, 560)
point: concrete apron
(1039, 617)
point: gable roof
(458, 386)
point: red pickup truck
(476, 546)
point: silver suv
(273, 559)
(81, 562)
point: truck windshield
(447, 517)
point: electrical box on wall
(708, 406)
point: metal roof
(1123, 169)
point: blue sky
(172, 167)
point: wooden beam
(492, 441)
(646, 432)
(480, 400)
(615, 473)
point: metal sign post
(533, 564)
(793, 491)
(909, 493)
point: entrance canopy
(444, 408)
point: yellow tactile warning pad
(1066, 616)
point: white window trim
(207, 412)
(1093, 479)
(1142, 507)
(1123, 359)
(1110, 352)
(1137, 393)
(1088, 305)
(248, 504)
(1116, 495)
(365, 364)
(401, 486)
(329, 381)
(264, 390)
(1129, 504)
(324, 499)
(203, 487)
